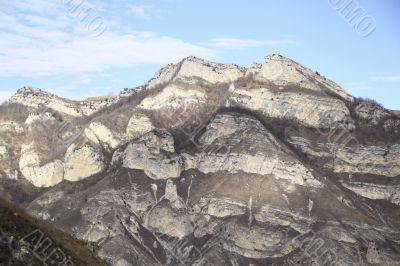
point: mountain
(211, 164)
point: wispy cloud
(32, 45)
(26, 57)
(46, 40)
(385, 78)
(356, 87)
(232, 43)
(144, 11)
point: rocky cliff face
(212, 164)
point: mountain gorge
(211, 164)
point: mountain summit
(211, 164)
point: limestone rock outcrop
(374, 191)
(97, 132)
(154, 153)
(360, 159)
(166, 220)
(46, 175)
(283, 71)
(3, 153)
(372, 113)
(311, 110)
(80, 163)
(193, 67)
(240, 143)
(139, 124)
(368, 160)
(36, 98)
(173, 97)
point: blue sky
(82, 48)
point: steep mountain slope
(27, 241)
(212, 164)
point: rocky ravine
(211, 164)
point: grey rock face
(153, 153)
(392, 126)
(315, 111)
(80, 163)
(373, 191)
(249, 148)
(371, 113)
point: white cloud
(32, 45)
(43, 38)
(23, 56)
(356, 87)
(385, 78)
(232, 43)
(143, 11)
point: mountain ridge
(239, 164)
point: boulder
(46, 175)
(103, 134)
(80, 163)
(155, 154)
(139, 124)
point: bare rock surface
(80, 163)
(154, 153)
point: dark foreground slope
(28, 241)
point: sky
(82, 48)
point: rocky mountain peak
(30, 96)
(193, 67)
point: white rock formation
(91, 136)
(311, 110)
(171, 194)
(359, 159)
(3, 153)
(39, 175)
(11, 174)
(282, 71)
(368, 160)
(155, 154)
(243, 144)
(35, 98)
(278, 216)
(163, 76)
(371, 113)
(139, 124)
(173, 223)
(211, 72)
(80, 163)
(104, 135)
(254, 241)
(11, 126)
(219, 207)
(375, 191)
(43, 118)
(192, 67)
(173, 97)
